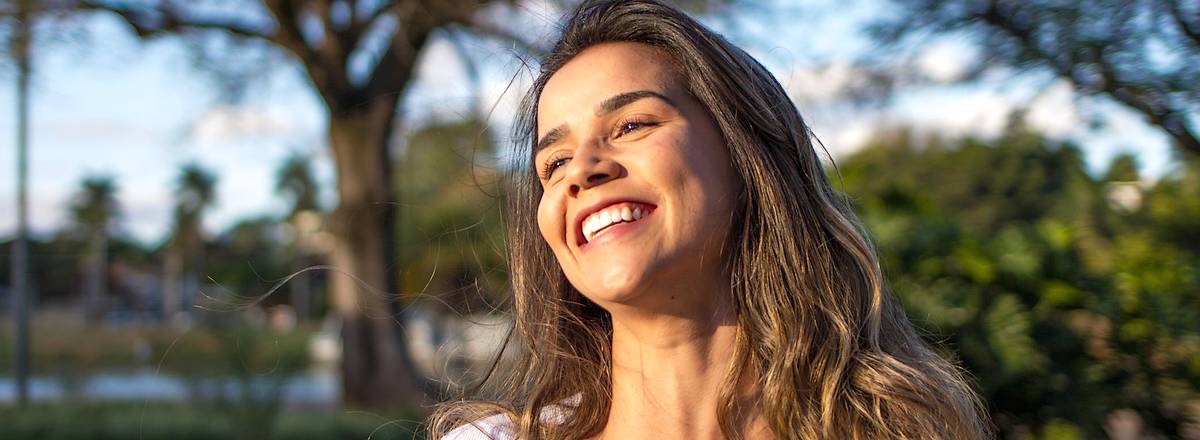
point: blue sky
(136, 111)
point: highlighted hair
(826, 345)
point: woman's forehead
(600, 72)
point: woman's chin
(616, 285)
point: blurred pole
(20, 264)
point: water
(315, 388)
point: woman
(682, 268)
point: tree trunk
(301, 290)
(172, 269)
(96, 280)
(376, 370)
(194, 267)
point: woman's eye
(553, 164)
(630, 127)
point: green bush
(57, 349)
(1066, 305)
(154, 421)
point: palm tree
(296, 182)
(185, 251)
(94, 210)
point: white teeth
(603, 219)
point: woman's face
(637, 181)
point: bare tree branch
(1188, 28)
(395, 66)
(162, 20)
(326, 77)
(1158, 111)
(336, 45)
(361, 24)
(484, 29)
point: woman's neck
(667, 373)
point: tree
(296, 182)
(194, 193)
(360, 57)
(326, 38)
(94, 210)
(451, 232)
(1065, 309)
(1140, 53)
(1124, 168)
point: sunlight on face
(638, 183)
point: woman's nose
(591, 170)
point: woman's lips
(603, 220)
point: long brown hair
(830, 350)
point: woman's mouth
(600, 221)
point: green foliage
(248, 260)
(220, 349)
(195, 192)
(129, 421)
(95, 206)
(1065, 305)
(1123, 168)
(234, 370)
(450, 232)
(295, 180)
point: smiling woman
(680, 266)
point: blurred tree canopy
(1141, 53)
(195, 193)
(295, 180)
(94, 212)
(1064, 299)
(359, 57)
(450, 232)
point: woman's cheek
(549, 218)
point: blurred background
(280, 219)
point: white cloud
(820, 84)
(1053, 111)
(959, 112)
(47, 211)
(230, 123)
(146, 213)
(944, 61)
(85, 129)
(441, 68)
(1123, 131)
(852, 135)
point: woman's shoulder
(496, 427)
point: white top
(501, 427)
(497, 427)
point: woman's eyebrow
(609, 105)
(552, 136)
(619, 100)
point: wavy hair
(830, 351)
